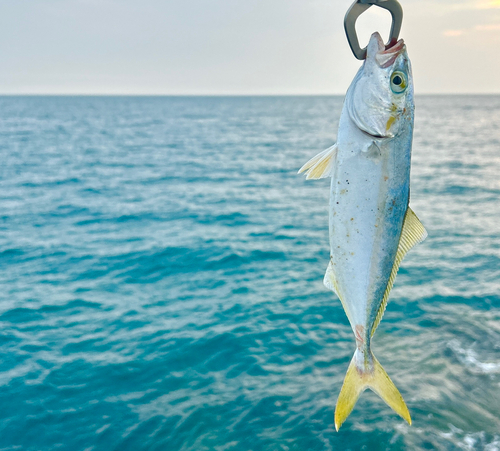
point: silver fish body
(371, 225)
(370, 191)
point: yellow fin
(321, 165)
(358, 380)
(413, 233)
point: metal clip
(358, 8)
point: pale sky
(234, 46)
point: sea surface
(161, 267)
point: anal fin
(413, 232)
(330, 282)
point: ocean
(161, 267)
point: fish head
(380, 98)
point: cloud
(485, 27)
(479, 4)
(488, 4)
(453, 33)
(489, 27)
(469, 5)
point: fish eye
(399, 82)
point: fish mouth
(387, 57)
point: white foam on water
(470, 359)
(471, 441)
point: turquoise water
(161, 272)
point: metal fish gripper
(358, 8)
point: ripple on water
(162, 269)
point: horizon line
(224, 95)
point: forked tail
(362, 374)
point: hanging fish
(371, 225)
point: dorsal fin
(321, 165)
(413, 233)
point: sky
(235, 47)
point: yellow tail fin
(372, 376)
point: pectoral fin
(321, 166)
(413, 233)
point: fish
(371, 225)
